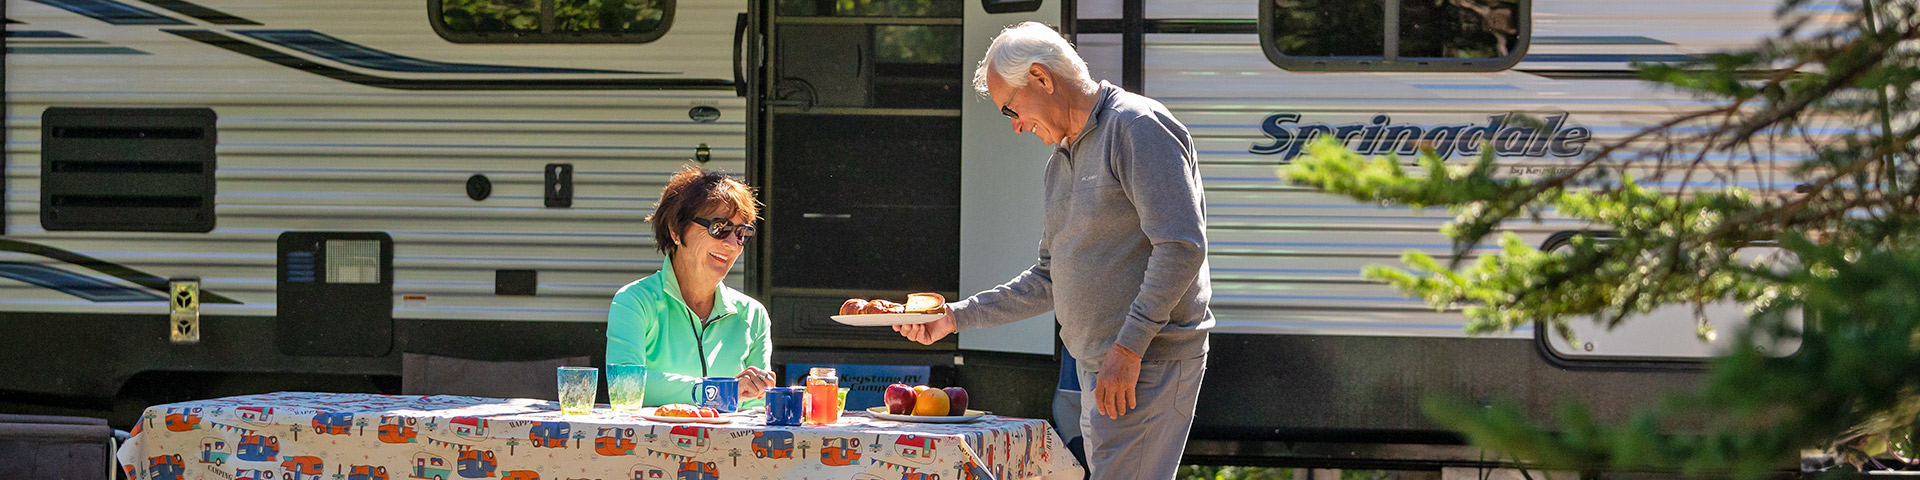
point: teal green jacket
(650, 324)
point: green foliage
(607, 15)
(916, 44)
(870, 8)
(1215, 472)
(1849, 227)
(1855, 358)
(503, 16)
(1663, 248)
(491, 15)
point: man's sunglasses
(720, 229)
(1008, 111)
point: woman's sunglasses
(720, 229)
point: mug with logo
(720, 393)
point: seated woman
(681, 322)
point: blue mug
(720, 393)
(786, 406)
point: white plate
(713, 420)
(885, 319)
(881, 413)
(648, 414)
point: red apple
(956, 401)
(899, 399)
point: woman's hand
(754, 382)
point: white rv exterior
(1286, 259)
(356, 116)
(301, 151)
(352, 117)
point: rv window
(573, 21)
(870, 8)
(913, 66)
(916, 44)
(1327, 28)
(1395, 35)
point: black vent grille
(127, 169)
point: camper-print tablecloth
(331, 436)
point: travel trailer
(211, 197)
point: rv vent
(127, 169)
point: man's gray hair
(1026, 44)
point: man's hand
(754, 382)
(1113, 390)
(927, 333)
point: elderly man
(1123, 260)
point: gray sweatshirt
(1123, 259)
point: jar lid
(822, 371)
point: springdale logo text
(1552, 136)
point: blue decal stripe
(1606, 58)
(73, 51)
(201, 13)
(39, 34)
(85, 287)
(331, 48)
(152, 282)
(1599, 40)
(112, 12)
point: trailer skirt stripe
(144, 279)
(85, 287)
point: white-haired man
(1123, 260)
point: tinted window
(573, 21)
(611, 16)
(490, 16)
(916, 44)
(1328, 28)
(1425, 35)
(1458, 28)
(869, 8)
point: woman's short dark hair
(691, 191)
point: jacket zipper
(700, 340)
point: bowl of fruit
(925, 404)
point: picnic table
(343, 436)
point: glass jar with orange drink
(823, 396)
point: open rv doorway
(859, 145)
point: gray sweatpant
(1146, 442)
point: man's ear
(1039, 76)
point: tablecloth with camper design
(333, 436)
